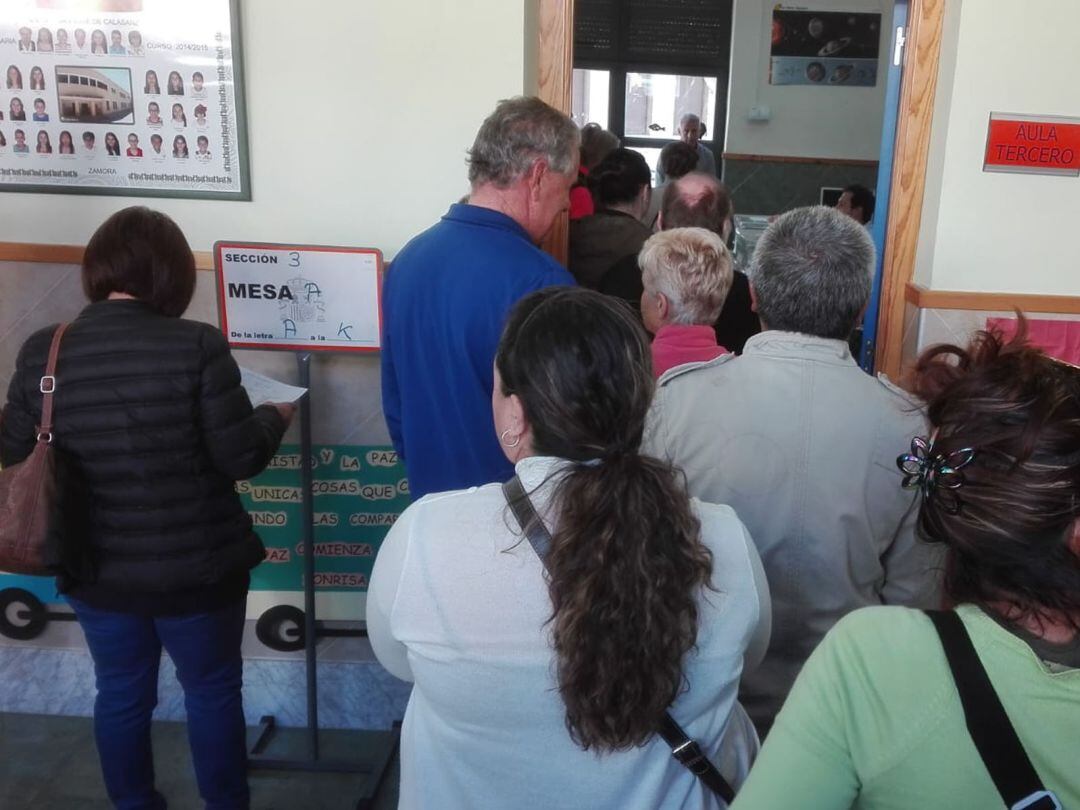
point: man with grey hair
(448, 292)
(690, 132)
(803, 445)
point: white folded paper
(262, 389)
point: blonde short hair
(691, 267)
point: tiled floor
(50, 763)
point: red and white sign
(299, 297)
(1033, 144)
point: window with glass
(655, 103)
(591, 97)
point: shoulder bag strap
(988, 724)
(47, 386)
(685, 750)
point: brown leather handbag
(29, 493)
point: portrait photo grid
(103, 99)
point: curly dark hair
(1019, 410)
(627, 564)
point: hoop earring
(504, 434)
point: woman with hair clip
(978, 706)
(543, 682)
(621, 185)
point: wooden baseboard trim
(816, 161)
(70, 254)
(991, 302)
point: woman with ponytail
(542, 683)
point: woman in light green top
(874, 720)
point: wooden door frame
(555, 56)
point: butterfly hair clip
(938, 476)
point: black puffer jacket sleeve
(18, 428)
(239, 440)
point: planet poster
(827, 48)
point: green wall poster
(359, 492)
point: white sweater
(459, 605)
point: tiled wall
(763, 187)
(929, 327)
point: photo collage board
(130, 97)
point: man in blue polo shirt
(449, 291)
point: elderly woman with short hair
(687, 274)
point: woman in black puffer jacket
(153, 428)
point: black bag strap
(685, 750)
(988, 724)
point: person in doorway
(690, 132)
(875, 719)
(621, 184)
(596, 144)
(694, 201)
(650, 601)
(460, 278)
(686, 274)
(801, 442)
(677, 159)
(158, 547)
(858, 203)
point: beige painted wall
(824, 122)
(992, 232)
(359, 115)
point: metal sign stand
(311, 633)
(253, 282)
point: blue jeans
(205, 647)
